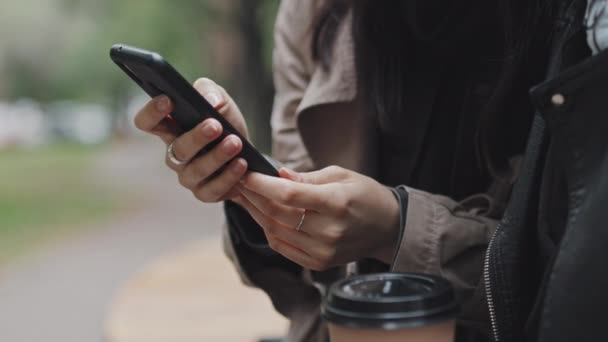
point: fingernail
(291, 173)
(213, 98)
(162, 103)
(230, 146)
(210, 129)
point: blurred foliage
(47, 191)
(58, 49)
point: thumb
(327, 175)
(222, 102)
(211, 92)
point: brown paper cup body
(443, 332)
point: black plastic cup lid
(390, 301)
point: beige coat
(318, 121)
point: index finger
(153, 113)
(290, 193)
(154, 118)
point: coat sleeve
(292, 70)
(448, 238)
(444, 237)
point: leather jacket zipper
(488, 287)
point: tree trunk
(252, 78)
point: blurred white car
(23, 123)
(80, 122)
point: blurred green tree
(62, 50)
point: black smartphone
(156, 76)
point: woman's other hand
(348, 216)
(198, 173)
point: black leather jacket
(543, 273)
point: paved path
(62, 292)
(174, 299)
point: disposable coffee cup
(391, 307)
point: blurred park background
(97, 241)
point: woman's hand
(198, 173)
(348, 216)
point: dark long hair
(514, 33)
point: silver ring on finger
(172, 157)
(299, 227)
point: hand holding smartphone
(156, 77)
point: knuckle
(226, 180)
(334, 169)
(212, 195)
(272, 229)
(207, 194)
(201, 168)
(340, 211)
(219, 157)
(226, 111)
(289, 195)
(273, 243)
(183, 180)
(228, 185)
(342, 207)
(271, 209)
(198, 138)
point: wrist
(392, 229)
